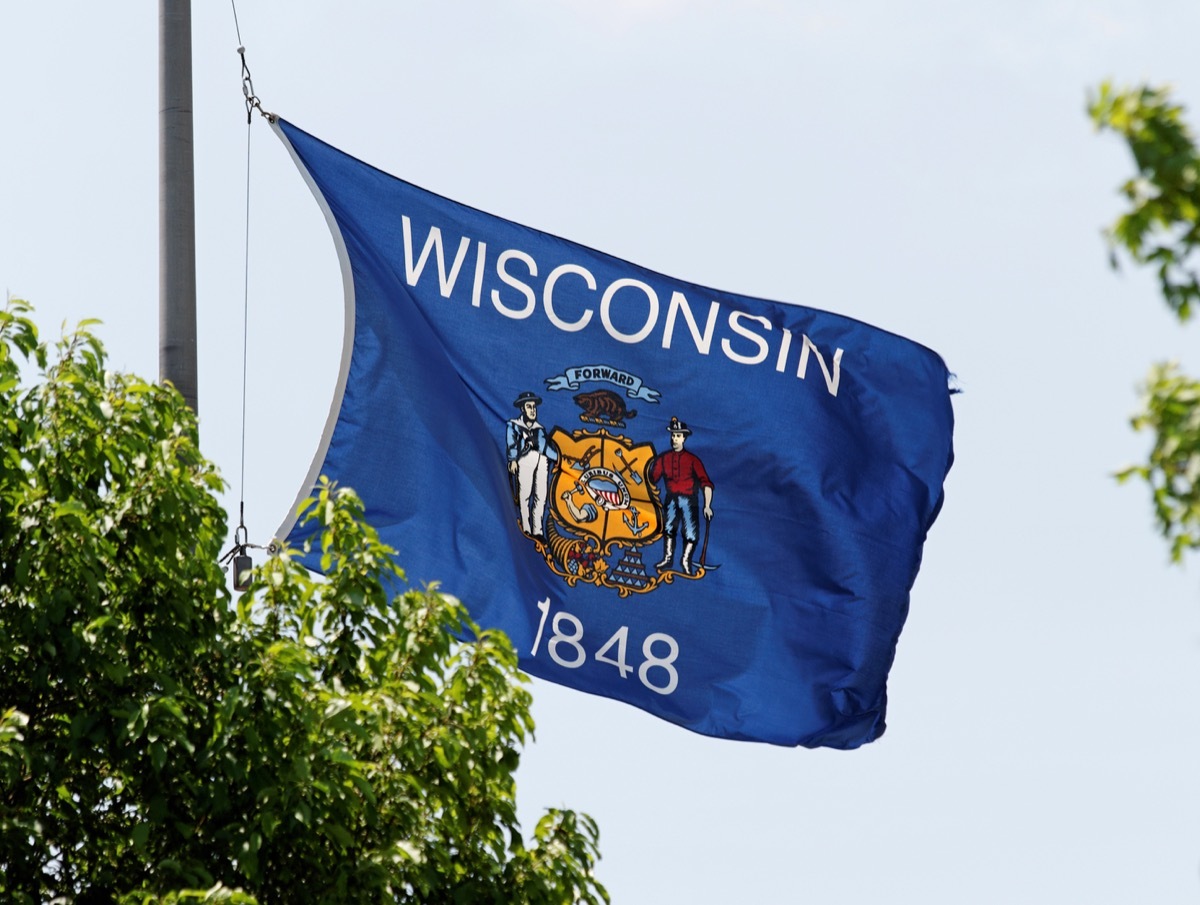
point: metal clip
(252, 101)
(243, 565)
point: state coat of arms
(590, 497)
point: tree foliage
(1162, 226)
(324, 741)
(1161, 229)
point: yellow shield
(600, 488)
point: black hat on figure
(527, 397)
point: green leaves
(1171, 410)
(1161, 229)
(161, 743)
(1162, 226)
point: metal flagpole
(176, 201)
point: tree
(160, 742)
(1161, 229)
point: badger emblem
(603, 407)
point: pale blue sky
(925, 167)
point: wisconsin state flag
(706, 505)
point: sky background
(926, 167)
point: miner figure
(685, 482)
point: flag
(707, 505)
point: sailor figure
(529, 454)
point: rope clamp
(252, 101)
(239, 556)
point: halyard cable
(237, 28)
(241, 536)
(245, 283)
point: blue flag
(707, 505)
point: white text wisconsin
(630, 310)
